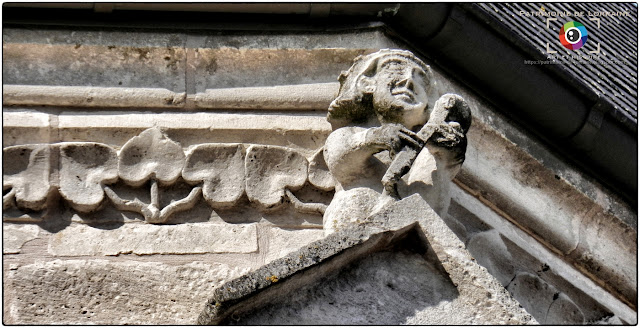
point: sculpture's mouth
(404, 94)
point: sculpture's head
(393, 86)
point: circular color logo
(573, 35)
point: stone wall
(560, 242)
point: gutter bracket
(584, 138)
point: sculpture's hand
(393, 137)
(448, 134)
(411, 139)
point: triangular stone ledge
(408, 225)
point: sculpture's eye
(421, 76)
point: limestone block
(270, 171)
(110, 292)
(84, 168)
(20, 127)
(229, 62)
(284, 241)
(319, 174)
(491, 252)
(76, 61)
(25, 171)
(145, 239)
(221, 167)
(14, 236)
(564, 312)
(303, 130)
(150, 155)
(535, 295)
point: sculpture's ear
(366, 84)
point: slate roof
(617, 35)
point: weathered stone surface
(395, 226)
(141, 239)
(563, 312)
(535, 294)
(301, 130)
(80, 62)
(284, 241)
(255, 287)
(235, 61)
(110, 292)
(221, 167)
(491, 252)
(14, 236)
(88, 170)
(25, 171)
(25, 127)
(74, 96)
(319, 174)
(253, 60)
(150, 155)
(475, 285)
(539, 197)
(271, 170)
(282, 97)
(507, 249)
(610, 320)
(84, 168)
(386, 288)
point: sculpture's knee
(350, 207)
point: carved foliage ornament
(221, 173)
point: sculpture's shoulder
(343, 134)
(344, 140)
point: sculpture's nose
(407, 81)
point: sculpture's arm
(444, 135)
(348, 150)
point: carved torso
(358, 170)
(390, 140)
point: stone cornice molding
(313, 96)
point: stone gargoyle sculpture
(391, 139)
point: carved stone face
(399, 91)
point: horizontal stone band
(315, 96)
(297, 97)
(145, 239)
